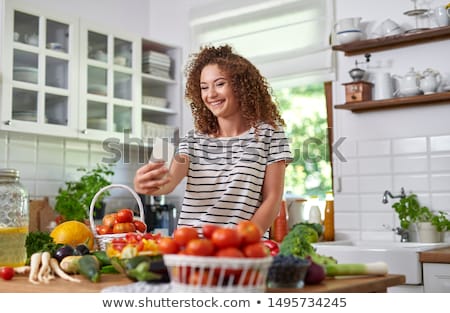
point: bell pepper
(273, 246)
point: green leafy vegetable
(39, 241)
(298, 243)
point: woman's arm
(155, 179)
(272, 194)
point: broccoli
(298, 241)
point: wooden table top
(20, 284)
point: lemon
(73, 233)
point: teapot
(430, 81)
(408, 85)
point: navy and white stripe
(226, 175)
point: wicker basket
(102, 240)
(217, 274)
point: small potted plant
(416, 218)
(442, 223)
(73, 201)
(420, 219)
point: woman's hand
(151, 178)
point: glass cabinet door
(42, 93)
(109, 86)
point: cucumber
(90, 267)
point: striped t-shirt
(225, 177)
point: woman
(235, 158)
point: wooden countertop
(435, 256)
(20, 284)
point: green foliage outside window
(304, 110)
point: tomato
(256, 250)
(132, 237)
(208, 230)
(226, 237)
(184, 234)
(7, 272)
(103, 229)
(125, 216)
(252, 278)
(249, 231)
(200, 247)
(109, 220)
(140, 226)
(120, 228)
(230, 252)
(201, 278)
(167, 245)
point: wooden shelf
(362, 106)
(396, 41)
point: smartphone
(162, 150)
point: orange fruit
(73, 233)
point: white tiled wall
(46, 163)
(418, 164)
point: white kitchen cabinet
(39, 71)
(436, 277)
(109, 83)
(68, 77)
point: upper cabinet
(109, 83)
(67, 77)
(40, 70)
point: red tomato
(183, 235)
(133, 237)
(200, 278)
(125, 216)
(200, 247)
(208, 230)
(256, 250)
(249, 231)
(167, 245)
(252, 278)
(109, 220)
(226, 237)
(230, 252)
(103, 229)
(7, 272)
(140, 226)
(120, 228)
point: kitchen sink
(401, 257)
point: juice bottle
(328, 222)
(13, 219)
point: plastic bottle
(280, 225)
(328, 221)
(314, 211)
(14, 219)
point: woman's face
(217, 93)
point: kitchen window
(288, 40)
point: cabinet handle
(8, 122)
(84, 131)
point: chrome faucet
(404, 234)
(388, 193)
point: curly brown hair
(248, 85)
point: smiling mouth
(216, 103)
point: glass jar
(14, 219)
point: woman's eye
(220, 83)
(203, 88)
